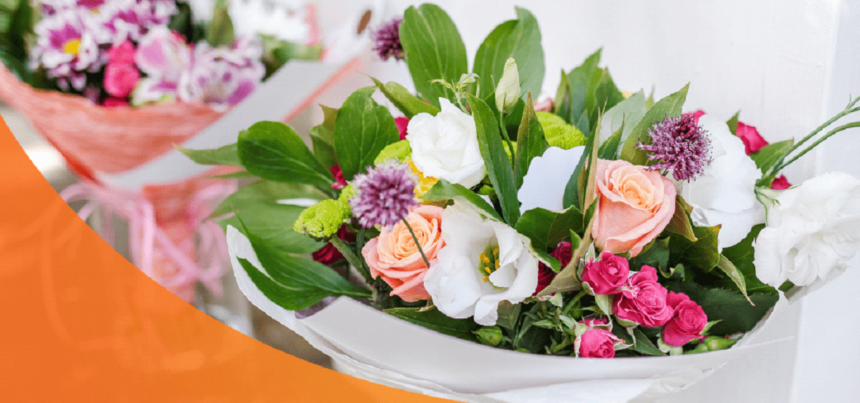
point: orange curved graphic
(81, 323)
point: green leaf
(562, 98)
(730, 307)
(295, 283)
(403, 100)
(742, 256)
(531, 142)
(604, 302)
(496, 160)
(226, 155)
(644, 345)
(626, 113)
(264, 191)
(547, 228)
(509, 314)
(702, 254)
(733, 123)
(520, 39)
(434, 51)
(581, 92)
(235, 175)
(669, 106)
(571, 191)
(272, 223)
(767, 156)
(680, 223)
(220, 30)
(443, 190)
(438, 321)
(362, 130)
(609, 149)
(273, 150)
(322, 138)
(603, 95)
(657, 256)
(734, 274)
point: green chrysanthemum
(399, 151)
(322, 220)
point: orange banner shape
(81, 323)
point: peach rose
(635, 206)
(394, 256)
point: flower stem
(352, 258)
(816, 143)
(573, 301)
(417, 244)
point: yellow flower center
(489, 261)
(424, 183)
(72, 46)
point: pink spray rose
(687, 323)
(780, 183)
(122, 53)
(114, 102)
(339, 180)
(635, 206)
(645, 301)
(394, 256)
(749, 135)
(598, 341)
(402, 123)
(607, 275)
(120, 79)
(563, 252)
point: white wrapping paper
(375, 346)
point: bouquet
(517, 241)
(115, 84)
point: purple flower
(680, 145)
(222, 77)
(386, 40)
(131, 19)
(66, 47)
(164, 57)
(384, 195)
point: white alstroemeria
(725, 193)
(445, 146)
(459, 283)
(547, 177)
(812, 231)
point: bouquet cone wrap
(373, 345)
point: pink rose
(394, 256)
(120, 79)
(635, 206)
(121, 54)
(645, 300)
(595, 322)
(606, 275)
(749, 135)
(402, 123)
(780, 183)
(687, 323)
(596, 343)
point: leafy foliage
(363, 128)
(520, 39)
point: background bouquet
(615, 226)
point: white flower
(287, 20)
(725, 193)
(547, 177)
(445, 146)
(812, 231)
(459, 283)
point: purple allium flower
(384, 195)
(386, 40)
(681, 145)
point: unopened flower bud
(489, 335)
(508, 89)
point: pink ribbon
(145, 237)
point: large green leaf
(742, 256)
(669, 106)
(226, 155)
(295, 283)
(680, 223)
(264, 191)
(572, 189)
(729, 269)
(496, 159)
(627, 113)
(443, 190)
(644, 345)
(531, 142)
(403, 100)
(438, 321)
(767, 156)
(272, 223)
(603, 95)
(362, 130)
(547, 228)
(702, 254)
(322, 137)
(434, 51)
(734, 312)
(520, 39)
(273, 150)
(581, 92)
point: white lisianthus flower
(547, 177)
(812, 231)
(445, 146)
(725, 193)
(483, 263)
